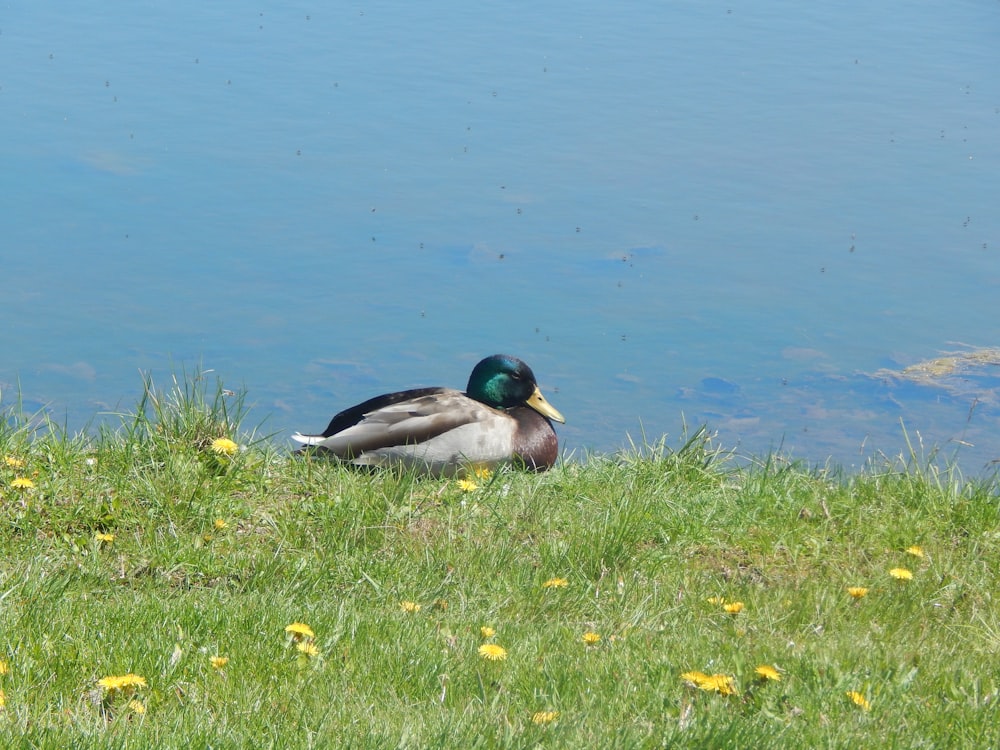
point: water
(674, 212)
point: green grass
(644, 540)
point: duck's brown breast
(534, 441)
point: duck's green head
(502, 381)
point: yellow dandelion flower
(915, 551)
(103, 537)
(492, 652)
(487, 632)
(122, 682)
(858, 592)
(308, 648)
(441, 605)
(219, 661)
(22, 483)
(224, 447)
(3, 699)
(716, 600)
(544, 717)
(299, 631)
(482, 472)
(133, 681)
(719, 683)
(137, 707)
(694, 678)
(733, 608)
(767, 672)
(555, 583)
(901, 574)
(467, 485)
(410, 607)
(4, 667)
(724, 684)
(591, 638)
(220, 524)
(859, 700)
(14, 462)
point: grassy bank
(625, 602)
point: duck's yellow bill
(537, 402)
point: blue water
(675, 212)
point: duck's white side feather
(473, 444)
(435, 433)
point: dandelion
(125, 682)
(220, 524)
(441, 605)
(482, 472)
(694, 678)
(716, 600)
(3, 699)
(4, 667)
(733, 608)
(487, 632)
(137, 707)
(467, 485)
(218, 662)
(409, 607)
(308, 648)
(767, 672)
(224, 447)
(915, 551)
(492, 652)
(724, 684)
(544, 717)
(555, 583)
(299, 631)
(859, 700)
(591, 638)
(719, 683)
(22, 483)
(901, 574)
(13, 462)
(857, 592)
(104, 538)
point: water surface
(674, 212)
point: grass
(213, 555)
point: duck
(501, 418)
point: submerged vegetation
(178, 581)
(969, 374)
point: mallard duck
(501, 418)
